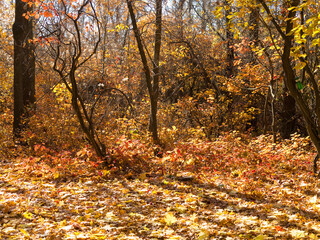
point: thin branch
(277, 26)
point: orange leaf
(47, 14)
(279, 228)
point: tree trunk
(24, 68)
(253, 38)
(152, 81)
(156, 72)
(180, 18)
(288, 116)
(229, 39)
(253, 30)
(311, 126)
(310, 115)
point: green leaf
(299, 85)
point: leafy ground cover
(236, 187)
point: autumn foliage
(236, 147)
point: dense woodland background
(196, 103)
(219, 68)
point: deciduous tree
(152, 78)
(296, 35)
(24, 67)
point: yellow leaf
(25, 233)
(105, 172)
(99, 236)
(27, 215)
(63, 223)
(56, 175)
(260, 237)
(312, 236)
(300, 66)
(165, 182)
(315, 42)
(170, 219)
(180, 208)
(204, 235)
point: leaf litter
(227, 192)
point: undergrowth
(233, 154)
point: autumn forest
(160, 119)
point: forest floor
(249, 191)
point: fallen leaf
(260, 237)
(204, 235)
(170, 219)
(27, 215)
(298, 233)
(25, 233)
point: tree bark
(253, 30)
(156, 72)
(254, 39)
(229, 39)
(288, 116)
(24, 68)
(152, 81)
(291, 83)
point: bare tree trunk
(180, 18)
(204, 18)
(288, 115)
(156, 72)
(253, 30)
(254, 39)
(229, 39)
(152, 81)
(24, 68)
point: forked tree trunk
(152, 81)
